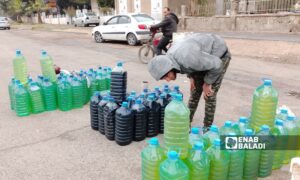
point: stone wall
(281, 23)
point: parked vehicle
(86, 19)
(4, 24)
(129, 27)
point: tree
(4, 5)
(106, 3)
(71, 12)
(16, 8)
(37, 6)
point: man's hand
(193, 87)
(207, 90)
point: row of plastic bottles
(206, 158)
(21, 70)
(68, 92)
(137, 118)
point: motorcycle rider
(168, 27)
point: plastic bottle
(145, 92)
(264, 105)
(11, 93)
(39, 80)
(108, 78)
(194, 137)
(109, 118)
(85, 92)
(130, 101)
(47, 67)
(49, 95)
(177, 125)
(167, 92)
(101, 82)
(283, 114)
(36, 98)
(177, 90)
(118, 83)
(291, 127)
(235, 171)
(241, 126)
(95, 99)
(140, 121)
(142, 97)
(153, 116)
(106, 75)
(198, 162)
(124, 125)
(173, 168)
(251, 161)
(64, 95)
(93, 85)
(157, 91)
(101, 106)
(163, 102)
(278, 130)
(219, 161)
(22, 106)
(77, 93)
(20, 67)
(227, 128)
(29, 80)
(266, 156)
(211, 135)
(152, 157)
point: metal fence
(262, 6)
(206, 9)
(247, 7)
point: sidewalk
(281, 48)
(233, 35)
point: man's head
(166, 11)
(170, 76)
(162, 68)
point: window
(90, 14)
(142, 18)
(113, 20)
(3, 19)
(124, 20)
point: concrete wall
(175, 6)
(282, 23)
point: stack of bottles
(50, 91)
(195, 155)
(137, 116)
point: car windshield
(142, 18)
(3, 19)
(90, 14)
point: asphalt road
(61, 145)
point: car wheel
(131, 39)
(98, 37)
(8, 28)
(75, 24)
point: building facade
(153, 8)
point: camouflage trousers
(210, 102)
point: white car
(4, 23)
(86, 19)
(127, 27)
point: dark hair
(172, 70)
(167, 8)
